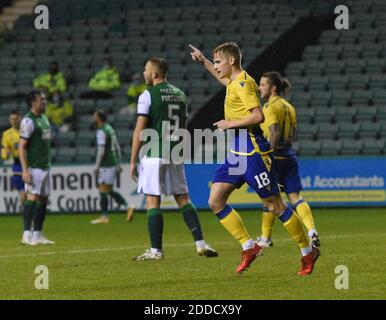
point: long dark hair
(276, 79)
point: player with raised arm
(35, 159)
(162, 103)
(243, 111)
(279, 128)
(107, 167)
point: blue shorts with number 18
(260, 173)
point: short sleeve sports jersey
(10, 143)
(166, 107)
(106, 137)
(36, 129)
(279, 111)
(241, 97)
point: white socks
(248, 244)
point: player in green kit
(162, 104)
(107, 167)
(35, 159)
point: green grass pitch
(94, 261)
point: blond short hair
(230, 49)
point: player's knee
(215, 204)
(275, 206)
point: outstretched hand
(196, 54)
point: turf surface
(94, 261)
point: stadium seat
(340, 98)
(65, 155)
(369, 129)
(306, 131)
(330, 147)
(373, 147)
(65, 139)
(339, 82)
(310, 148)
(85, 138)
(348, 130)
(365, 113)
(85, 154)
(351, 147)
(328, 131)
(325, 115)
(334, 67)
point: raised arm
(198, 56)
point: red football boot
(308, 262)
(248, 256)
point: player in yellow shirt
(279, 128)
(10, 144)
(253, 151)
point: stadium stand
(339, 81)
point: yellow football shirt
(279, 111)
(10, 144)
(242, 96)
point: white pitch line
(93, 250)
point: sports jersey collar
(240, 78)
(273, 99)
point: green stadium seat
(85, 154)
(378, 81)
(340, 97)
(65, 155)
(382, 133)
(350, 51)
(375, 65)
(351, 147)
(330, 147)
(84, 106)
(85, 137)
(365, 113)
(312, 52)
(355, 65)
(84, 122)
(381, 112)
(379, 96)
(358, 82)
(324, 114)
(306, 131)
(371, 51)
(348, 37)
(328, 37)
(361, 97)
(369, 129)
(310, 148)
(373, 147)
(65, 139)
(318, 83)
(123, 134)
(331, 52)
(334, 67)
(328, 131)
(299, 82)
(295, 68)
(348, 130)
(339, 82)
